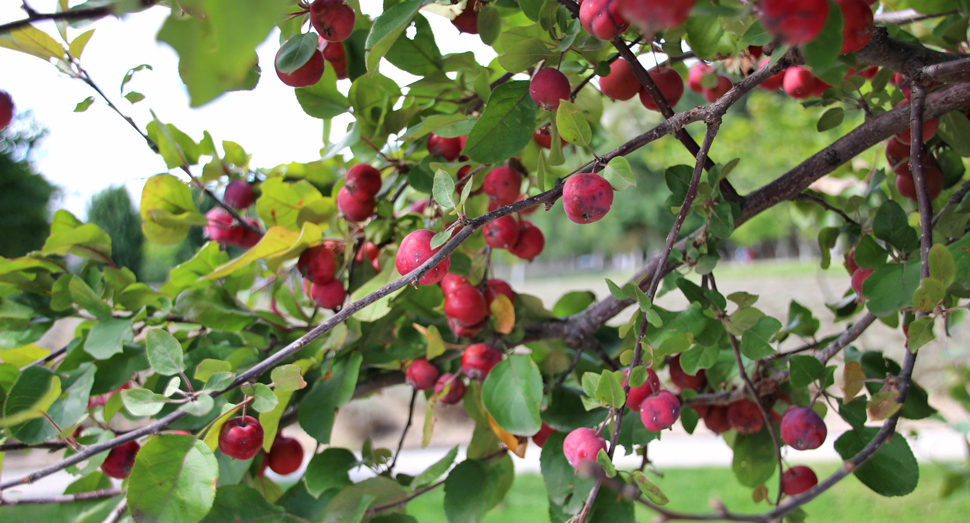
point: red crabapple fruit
(671, 86)
(6, 109)
(416, 249)
(695, 74)
(318, 264)
(447, 148)
(549, 87)
(857, 25)
(587, 197)
(478, 360)
(285, 456)
(773, 83)
(421, 374)
(329, 295)
(724, 85)
(531, 241)
(803, 429)
(308, 74)
(467, 21)
(799, 82)
(796, 21)
(716, 419)
(860, 275)
(353, 209)
(502, 185)
(333, 19)
(745, 416)
(451, 282)
(634, 399)
(656, 15)
(620, 84)
(120, 460)
(798, 479)
(496, 287)
(241, 437)
(659, 411)
(456, 389)
(501, 233)
(466, 305)
(684, 380)
(906, 184)
(539, 438)
(363, 182)
(221, 228)
(602, 18)
(239, 194)
(583, 444)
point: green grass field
(690, 490)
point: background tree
(112, 210)
(25, 195)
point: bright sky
(86, 152)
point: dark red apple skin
(6, 109)
(803, 429)
(602, 18)
(586, 197)
(333, 19)
(447, 148)
(329, 295)
(455, 393)
(548, 88)
(318, 264)
(478, 360)
(620, 84)
(308, 74)
(285, 456)
(239, 194)
(671, 86)
(414, 250)
(795, 21)
(798, 479)
(745, 417)
(466, 304)
(241, 437)
(531, 242)
(421, 374)
(363, 182)
(660, 411)
(539, 438)
(120, 460)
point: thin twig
(907, 16)
(806, 197)
(68, 498)
(400, 443)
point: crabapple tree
(372, 266)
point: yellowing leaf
(33, 41)
(503, 314)
(852, 380)
(516, 444)
(310, 234)
(275, 242)
(436, 345)
(883, 405)
(23, 356)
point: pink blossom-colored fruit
(447, 148)
(416, 249)
(586, 197)
(363, 182)
(478, 360)
(549, 87)
(798, 479)
(502, 185)
(329, 295)
(221, 227)
(796, 21)
(773, 83)
(318, 264)
(531, 241)
(602, 18)
(353, 209)
(239, 194)
(724, 85)
(421, 374)
(241, 437)
(745, 417)
(671, 86)
(466, 305)
(659, 411)
(695, 74)
(333, 19)
(451, 282)
(308, 74)
(285, 456)
(799, 82)
(456, 389)
(803, 429)
(857, 25)
(634, 399)
(120, 460)
(583, 444)
(656, 15)
(620, 84)
(501, 233)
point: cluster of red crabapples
(223, 228)
(476, 362)
(333, 20)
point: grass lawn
(690, 490)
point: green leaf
(200, 406)
(573, 302)
(609, 391)
(87, 299)
(386, 30)
(891, 471)
(318, 408)
(891, 287)
(107, 337)
(649, 488)
(344, 505)
(173, 480)
(215, 56)
(830, 119)
(704, 35)
(289, 205)
(329, 469)
(603, 460)
(756, 342)
(942, 264)
(505, 126)
(296, 52)
(143, 402)
(929, 294)
(521, 52)
(34, 391)
(822, 52)
(70, 236)
(232, 501)
(263, 398)
(920, 333)
(84, 104)
(322, 99)
(444, 190)
(468, 493)
(892, 226)
(164, 352)
(512, 393)
(619, 174)
(218, 381)
(572, 124)
(288, 378)
(419, 56)
(754, 458)
(804, 370)
(214, 308)
(168, 210)
(721, 223)
(432, 473)
(955, 130)
(134, 97)
(208, 367)
(869, 254)
(441, 238)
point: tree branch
(69, 498)
(906, 16)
